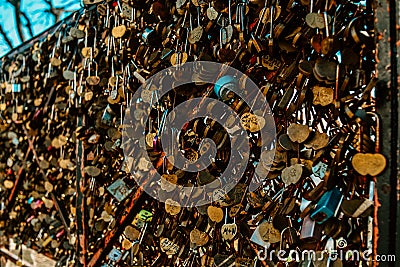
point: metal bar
(11, 197)
(14, 258)
(387, 104)
(81, 247)
(394, 106)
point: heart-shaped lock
(319, 140)
(198, 237)
(178, 58)
(93, 80)
(168, 182)
(298, 132)
(92, 171)
(215, 214)
(292, 174)
(88, 52)
(228, 231)
(8, 184)
(55, 62)
(126, 244)
(268, 233)
(172, 207)
(367, 163)
(169, 247)
(251, 122)
(66, 164)
(325, 70)
(322, 95)
(118, 31)
(131, 233)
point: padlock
(265, 40)
(119, 190)
(149, 36)
(16, 88)
(311, 231)
(225, 86)
(327, 206)
(108, 115)
(368, 163)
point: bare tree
(25, 25)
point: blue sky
(35, 10)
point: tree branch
(52, 10)
(6, 39)
(17, 14)
(28, 23)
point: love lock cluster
(73, 189)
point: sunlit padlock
(327, 206)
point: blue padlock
(115, 255)
(149, 36)
(327, 205)
(16, 88)
(224, 86)
(107, 116)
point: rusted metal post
(387, 104)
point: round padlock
(224, 86)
